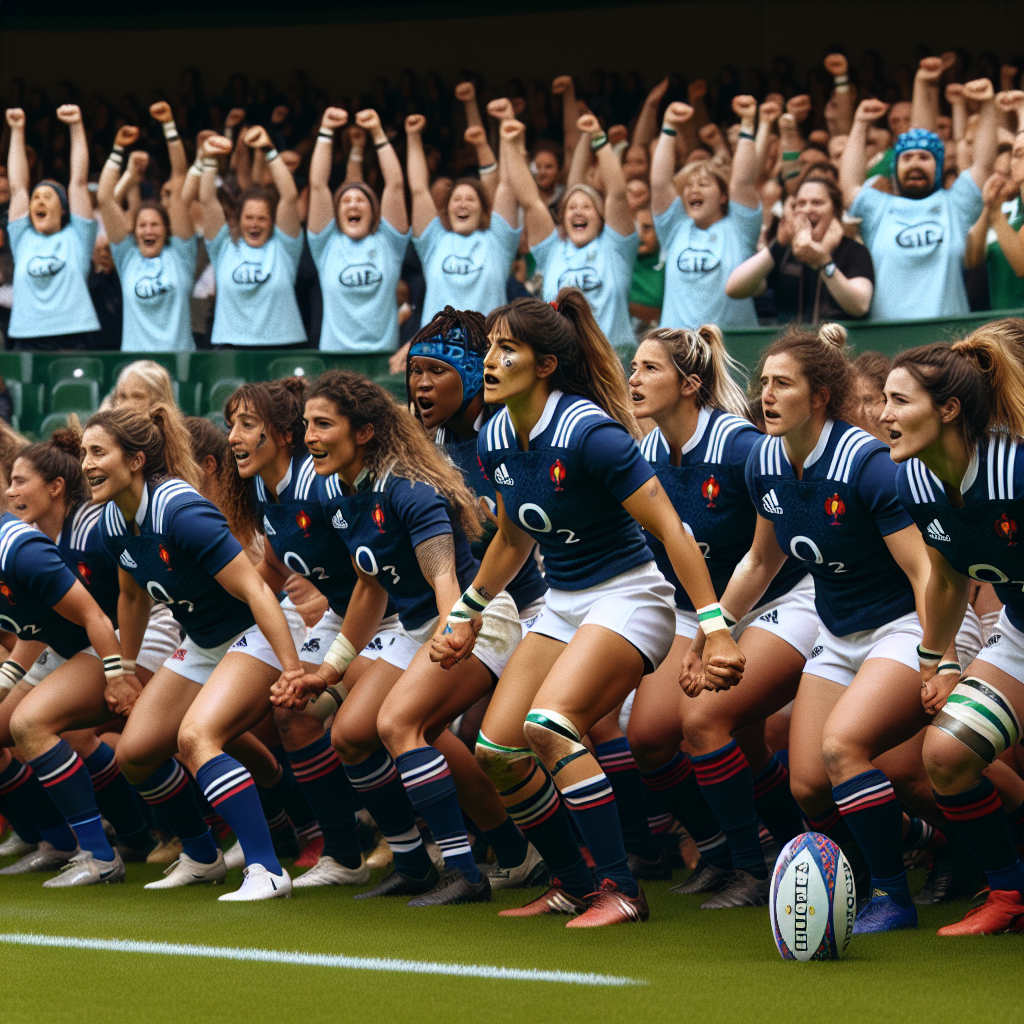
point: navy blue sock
(919, 834)
(676, 785)
(428, 781)
(172, 795)
(65, 778)
(302, 815)
(545, 823)
(774, 802)
(116, 799)
(31, 810)
(319, 772)
(232, 794)
(1015, 819)
(591, 802)
(509, 844)
(620, 769)
(727, 783)
(869, 806)
(376, 781)
(977, 819)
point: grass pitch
(689, 965)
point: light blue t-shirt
(698, 264)
(156, 292)
(256, 290)
(917, 247)
(358, 280)
(466, 271)
(602, 270)
(51, 279)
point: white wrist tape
(927, 656)
(488, 169)
(170, 131)
(209, 163)
(271, 155)
(11, 673)
(469, 606)
(711, 618)
(128, 664)
(326, 133)
(341, 654)
(730, 619)
(113, 667)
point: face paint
(261, 442)
(506, 361)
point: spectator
(647, 288)
(105, 293)
(6, 403)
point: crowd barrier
(46, 386)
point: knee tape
(980, 717)
(556, 736)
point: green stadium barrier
(198, 374)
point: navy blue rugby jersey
(566, 490)
(182, 543)
(300, 534)
(33, 578)
(81, 546)
(528, 584)
(834, 520)
(983, 539)
(709, 492)
(382, 523)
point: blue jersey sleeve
(876, 485)
(613, 458)
(422, 511)
(750, 471)
(39, 566)
(738, 446)
(202, 532)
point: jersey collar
(972, 472)
(140, 515)
(285, 480)
(819, 448)
(546, 416)
(703, 419)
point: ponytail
(61, 458)
(984, 372)
(566, 329)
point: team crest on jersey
(557, 474)
(303, 522)
(711, 489)
(835, 507)
(1006, 528)
(127, 561)
(378, 517)
(85, 572)
(338, 521)
(165, 557)
(6, 591)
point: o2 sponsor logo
(360, 275)
(586, 279)
(44, 266)
(463, 266)
(698, 261)
(926, 235)
(151, 287)
(250, 273)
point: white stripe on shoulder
(1001, 464)
(164, 493)
(82, 524)
(770, 456)
(9, 535)
(261, 489)
(842, 458)
(724, 426)
(332, 487)
(567, 422)
(113, 520)
(498, 431)
(654, 446)
(306, 477)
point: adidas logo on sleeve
(338, 521)
(936, 532)
(771, 503)
(503, 476)
(127, 561)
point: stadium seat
(74, 368)
(72, 395)
(220, 392)
(295, 366)
(60, 419)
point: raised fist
(836, 65)
(930, 69)
(869, 111)
(1008, 77)
(257, 138)
(236, 115)
(127, 135)
(137, 163)
(511, 129)
(744, 107)
(368, 120)
(69, 113)
(414, 124)
(787, 123)
(992, 192)
(16, 117)
(501, 109)
(954, 93)
(1010, 101)
(201, 138)
(618, 133)
(980, 90)
(678, 113)
(475, 135)
(799, 107)
(518, 105)
(465, 92)
(563, 83)
(334, 117)
(770, 111)
(657, 94)
(697, 90)
(279, 114)
(161, 111)
(217, 145)
(588, 123)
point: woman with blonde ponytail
(174, 547)
(681, 379)
(955, 419)
(570, 477)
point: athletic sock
(676, 785)
(116, 799)
(774, 803)
(1015, 819)
(232, 794)
(545, 823)
(727, 783)
(869, 806)
(620, 769)
(508, 843)
(31, 810)
(428, 781)
(977, 819)
(591, 802)
(172, 795)
(376, 782)
(63, 774)
(920, 834)
(301, 813)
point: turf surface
(701, 966)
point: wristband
(744, 134)
(711, 618)
(489, 169)
(112, 667)
(270, 155)
(598, 141)
(325, 704)
(229, 133)
(928, 657)
(341, 654)
(11, 673)
(197, 168)
(382, 145)
(209, 163)
(128, 664)
(469, 606)
(326, 133)
(949, 666)
(730, 619)
(791, 154)
(666, 130)
(841, 80)
(842, 88)
(170, 131)
(791, 175)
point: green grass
(700, 966)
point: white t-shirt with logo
(917, 247)
(698, 263)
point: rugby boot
(85, 869)
(327, 871)
(454, 888)
(234, 857)
(883, 914)
(742, 890)
(706, 877)
(380, 855)
(655, 870)
(186, 871)
(260, 884)
(1003, 911)
(167, 851)
(397, 884)
(312, 850)
(43, 857)
(952, 877)
(555, 901)
(15, 846)
(533, 871)
(610, 905)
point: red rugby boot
(1003, 911)
(610, 905)
(555, 901)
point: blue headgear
(921, 138)
(452, 347)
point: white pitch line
(358, 963)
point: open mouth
(772, 415)
(96, 482)
(425, 404)
(894, 435)
(318, 454)
(19, 507)
(491, 381)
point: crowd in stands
(270, 217)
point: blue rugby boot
(883, 914)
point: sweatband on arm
(341, 654)
(11, 673)
(711, 618)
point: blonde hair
(708, 167)
(154, 377)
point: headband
(452, 347)
(62, 193)
(921, 138)
(371, 198)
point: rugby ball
(813, 899)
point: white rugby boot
(327, 871)
(43, 857)
(186, 871)
(85, 869)
(234, 857)
(15, 846)
(260, 884)
(533, 871)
